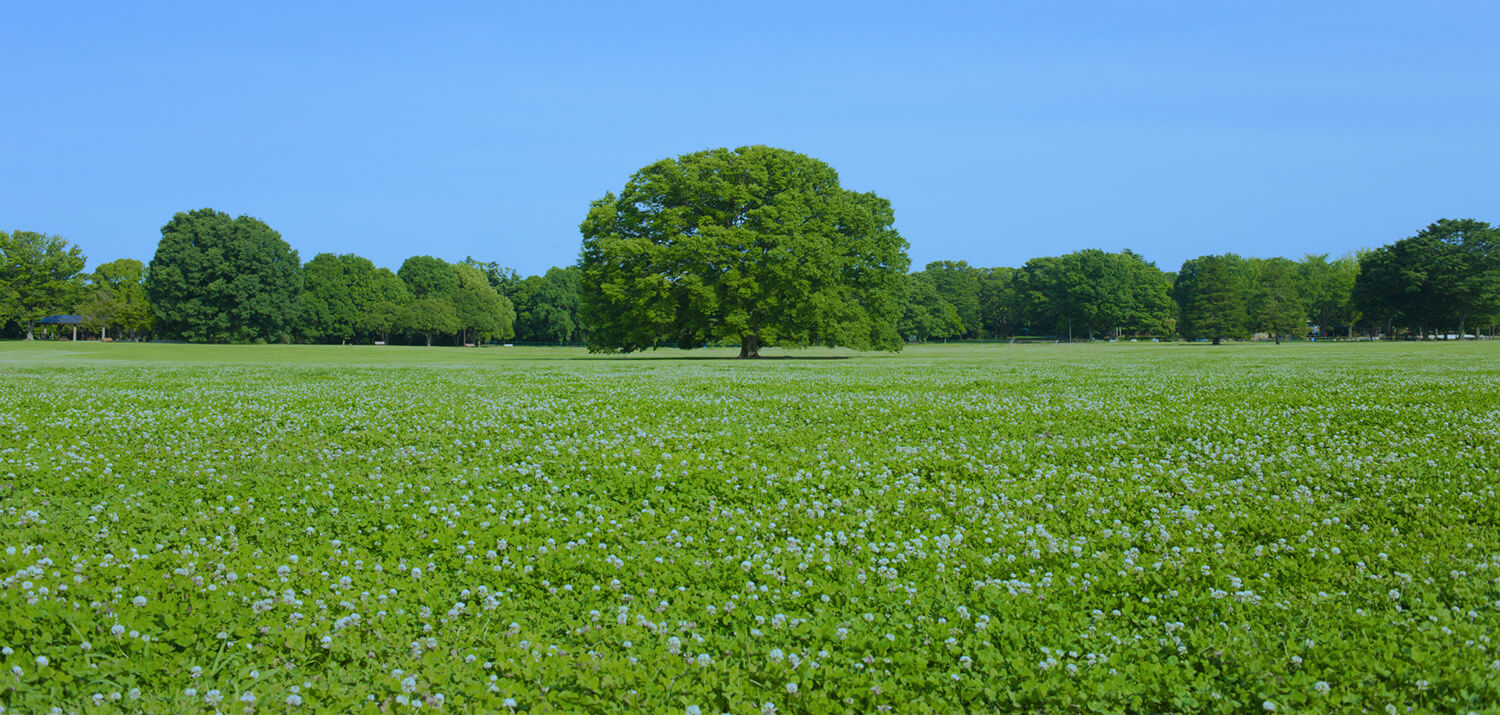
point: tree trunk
(1276, 337)
(749, 346)
(429, 339)
(28, 330)
(1216, 340)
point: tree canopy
(115, 298)
(757, 245)
(339, 290)
(39, 275)
(217, 279)
(1212, 293)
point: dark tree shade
(217, 279)
(758, 246)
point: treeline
(220, 279)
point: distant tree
(547, 306)
(1088, 291)
(1211, 292)
(759, 246)
(217, 279)
(502, 279)
(339, 290)
(1275, 305)
(428, 277)
(428, 317)
(1327, 290)
(39, 276)
(480, 309)
(927, 315)
(1467, 264)
(115, 299)
(1447, 275)
(1380, 292)
(999, 309)
(958, 285)
(383, 318)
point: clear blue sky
(1000, 131)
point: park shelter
(72, 320)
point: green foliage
(115, 299)
(428, 317)
(927, 315)
(39, 276)
(1091, 290)
(217, 279)
(547, 306)
(1000, 312)
(1276, 307)
(428, 277)
(1213, 294)
(338, 291)
(1031, 529)
(957, 284)
(1327, 290)
(758, 246)
(1448, 275)
(502, 279)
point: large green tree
(428, 277)
(115, 298)
(1446, 276)
(958, 285)
(1276, 306)
(480, 308)
(219, 279)
(1090, 291)
(759, 246)
(1327, 290)
(39, 275)
(1212, 294)
(547, 306)
(428, 317)
(999, 308)
(339, 290)
(926, 314)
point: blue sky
(999, 131)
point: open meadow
(1304, 527)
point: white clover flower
(139, 601)
(117, 630)
(41, 661)
(693, 710)
(791, 688)
(1268, 706)
(294, 700)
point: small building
(73, 320)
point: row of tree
(220, 279)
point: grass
(1099, 527)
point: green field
(1045, 528)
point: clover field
(1014, 528)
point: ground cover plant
(1017, 528)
